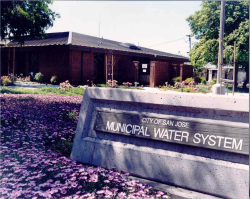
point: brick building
(78, 58)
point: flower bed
(37, 132)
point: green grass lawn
(29, 82)
(239, 89)
(51, 90)
(44, 90)
(80, 91)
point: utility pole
(218, 88)
(99, 25)
(99, 30)
(189, 41)
(221, 38)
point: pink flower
(100, 192)
(121, 194)
(74, 184)
(32, 183)
(93, 178)
(63, 191)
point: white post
(221, 38)
(218, 88)
(234, 66)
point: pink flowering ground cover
(37, 133)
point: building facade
(79, 58)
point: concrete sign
(198, 142)
(213, 136)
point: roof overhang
(119, 52)
(100, 50)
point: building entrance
(98, 69)
(144, 73)
(20, 64)
(144, 70)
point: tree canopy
(25, 18)
(205, 26)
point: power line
(168, 42)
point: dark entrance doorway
(98, 68)
(20, 64)
(144, 70)
(33, 66)
(144, 73)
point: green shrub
(6, 81)
(197, 80)
(189, 79)
(102, 85)
(39, 77)
(190, 89)
(176, 79)
(200, 80)
(53, 79)
(204, 89)
(213, 81)
(203, 80)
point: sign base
(216, 89)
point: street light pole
(218, 88)
(221, 38)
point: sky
(159, 25)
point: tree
(20, 19)
(205, 26)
